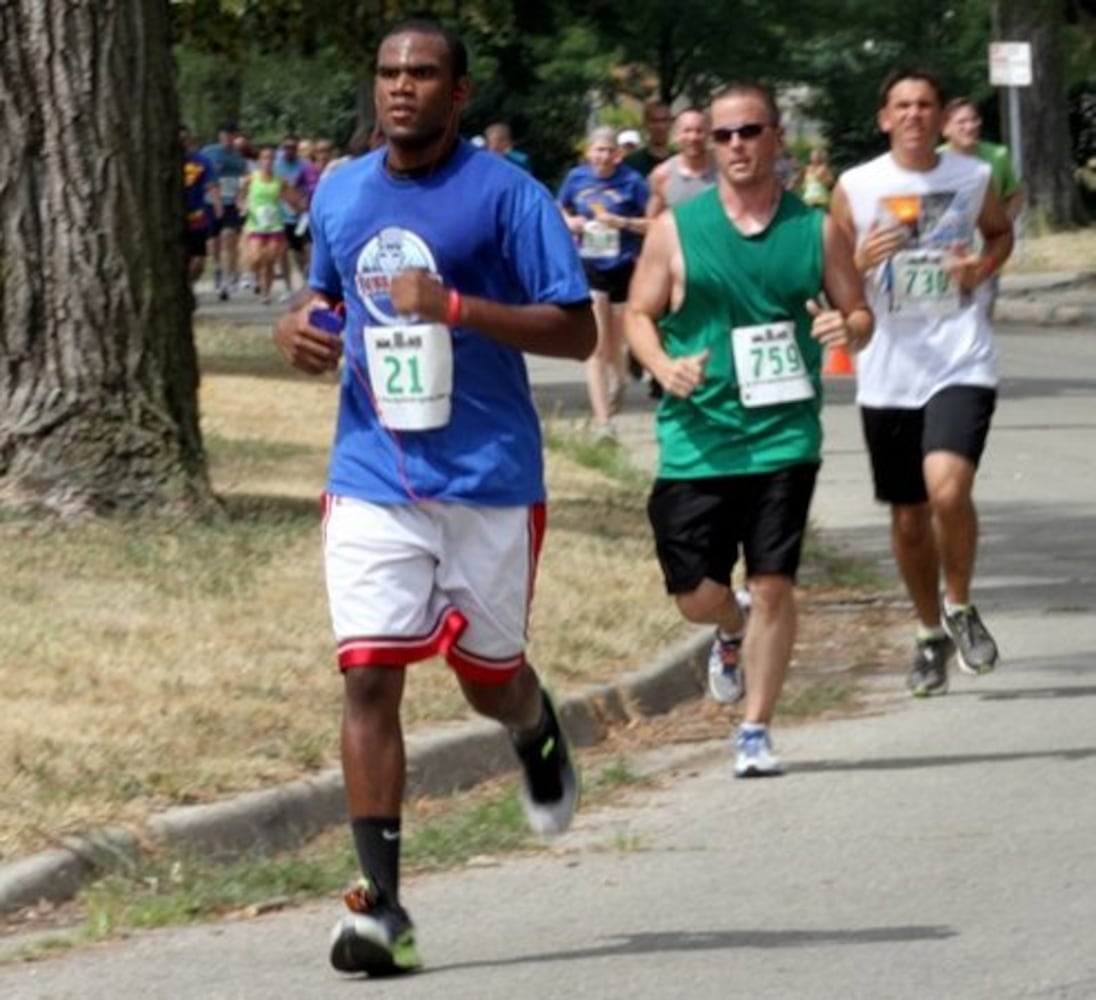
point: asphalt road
(942, 848)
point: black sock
(377, 843)
(541, 749)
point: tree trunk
(1052, 195)
(98, 372)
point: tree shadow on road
(692, 941)
(1072, 754)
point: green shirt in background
(1002, 176)
(733, 281)
(644, 161)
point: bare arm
(850, 323)
(541, 328)
(651, 294)
(656, 204)
(879, 243)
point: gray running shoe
(928, 675)
(977, 652)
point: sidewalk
(462, 755)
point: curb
(1043, 313)
(438, 763)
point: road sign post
(1010, 67)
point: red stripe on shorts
(387, 651)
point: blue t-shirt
(294, 175)
(230, 167)
(623, 192)
(198, 174)
(487, 229)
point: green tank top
(263, 213)
(735, 281)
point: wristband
(453, 308)
(988, 266)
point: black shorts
(296, 240)
(613, 282)
(699, 525)
(196, 242)
(956, 419)
(230, 219)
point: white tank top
(927, 334)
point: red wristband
(453, 311)
(989, 265)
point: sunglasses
(751, 130)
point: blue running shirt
(488, 229)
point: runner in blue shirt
(230, 168)
(447, 263)
(605, 205)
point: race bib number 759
(769, 366)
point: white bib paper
(599, 242)
(921, 285)
(411, 374)
(769, 366)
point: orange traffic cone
(838, 362)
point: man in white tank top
(926, 384)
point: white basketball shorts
(409, 581)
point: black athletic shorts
(296, 240)
(196, 242)
(699, 525)
(614, 282)
(956, 419)
(230, 219)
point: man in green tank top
(725, 312)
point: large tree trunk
(98, 373)
(1052, 195)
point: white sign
(1010, 64)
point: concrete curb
(438, 763)
(1042, 313)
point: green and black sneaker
(375, 936)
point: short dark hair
(757, 89)
(458, 52)
(956, 103)
(228, 126)
(896, 76)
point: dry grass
(1073, 250)
(148, 665)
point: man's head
(746, 134)
(911, 109)
(658, 121)
(602, 152)
(962, 124)
(226, 133)
(691, 132)
(323, 151)
(498, 137)
(421, 84)
(291, 146)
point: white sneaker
(725, 681)
(754, 757)
(605, 434)
(726, 676)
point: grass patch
(813, 698)
(607, 458)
